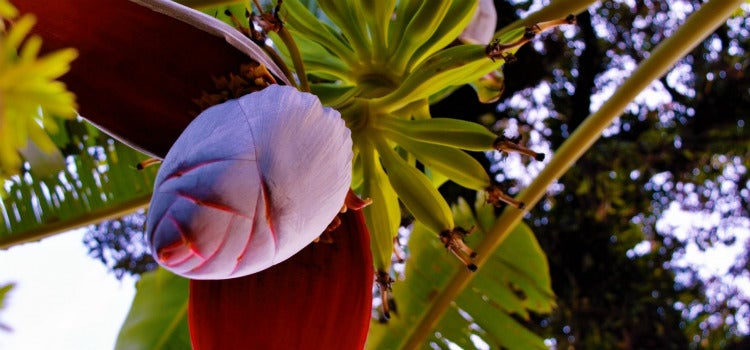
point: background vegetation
(616, 265)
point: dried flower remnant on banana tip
(385, 284)
(249, 183)
(499, 50)
(454, 239)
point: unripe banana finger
(344, 17)
(450, 28)
(415, 190)
(378, 15)
(451, 66)
(358, 176)
(306, 24)
(453, 163)
(383, 216)
(420, 29)
(449, 132)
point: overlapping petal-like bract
(481, 29)
(249, 183)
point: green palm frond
(513, 284)
(100, 181)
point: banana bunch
(380, 64)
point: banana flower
(143, 69)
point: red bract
(138, 71)
(319, 299)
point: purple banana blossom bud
(249, 183)
(481, 29)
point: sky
(63, 298)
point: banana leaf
(157, 319)
(99, 181)
(492, 309)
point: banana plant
(380, 65)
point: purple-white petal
(249, 183)
(481, 29)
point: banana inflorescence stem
(299, 66)
(271, 22)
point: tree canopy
(683, 142)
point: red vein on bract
(187, 241)
(159, 221)
(269, 208)
(174, 246)
(179, 173)
(249, 236)
(224, 240)
(212, 205)
(165, 252)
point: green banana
(437, 179)
(456, 65)
(332, 94)
(405, 9)
(378, 15)
(453, 66)
(383, 216)
(416, 110)
(450, 28)
(509, 42)
(451, 162)
(303, 23)
(449, 132)
(341, 14)
(318, 61)
(414, 189)
(454, 133)
(420, 29)
(358, 176)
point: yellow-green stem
(280, 62)
(698, 26)
(299, 66)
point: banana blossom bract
(249, 183)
